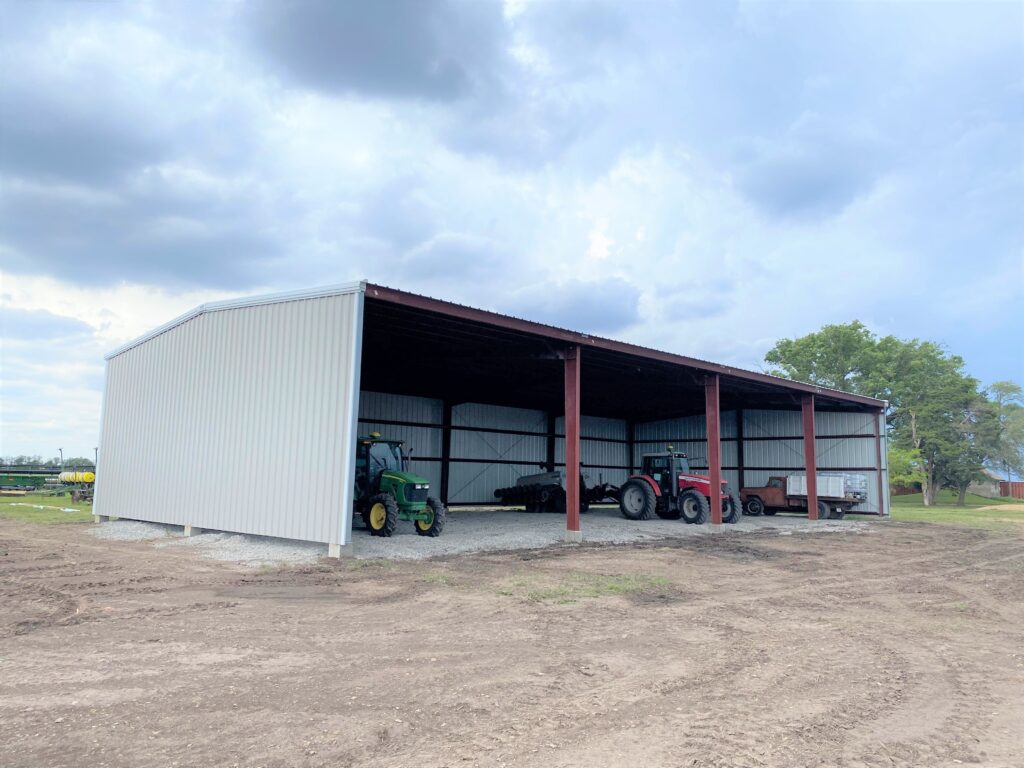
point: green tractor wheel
(434, 524)
(381, 514)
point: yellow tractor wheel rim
(424, 525)
(378, 516)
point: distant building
(989, 487)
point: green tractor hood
(396, 476)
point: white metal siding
(238, 419)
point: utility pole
(61, 457)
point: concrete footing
(573, 537)
(192, 530)
(339, 551)
(100, 518)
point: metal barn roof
(419, 345)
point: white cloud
(715, 177)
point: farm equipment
(837, 494)
(545, 492)
(665, 487)
(386, 491)
(80, 484)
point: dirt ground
(903, 646)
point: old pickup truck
(837, 494)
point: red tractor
(665, 487)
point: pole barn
(243, 415)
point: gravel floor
(132, 530)
(254, 551)
(466, 531)
(493, 530)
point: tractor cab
(664, 469)
(376, 456)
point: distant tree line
(38, 461)
(944, 427)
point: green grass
(361, 565)
(911, 509)
(14, 508)
(437, 577)
(948, 499)
(581, 586)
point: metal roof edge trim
(239, 303)
(450, 308)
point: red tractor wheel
(732, 510)
(694, 507)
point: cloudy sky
(699, 177)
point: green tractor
(386, 491)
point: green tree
(933, 403)
(966, 463)
(832, 357)
(906, 467)
(79, 462)
(1006, 440)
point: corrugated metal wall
(604, 448)
(773, 445)
(238, 419)
(482, 461)
(491, 446)
(688, 435)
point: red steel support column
(714, 431)
(877, 418)
(810, 457)
(572, 445)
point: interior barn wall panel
(500, 447)
(841, 423)
(377, 405)
(237, 419)
(499, 417)
(685, 428)
(530, 449)
(773, 453)
(836, 453)
(601, 452)
(421, 441)
(772, 423)
(475, 483)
